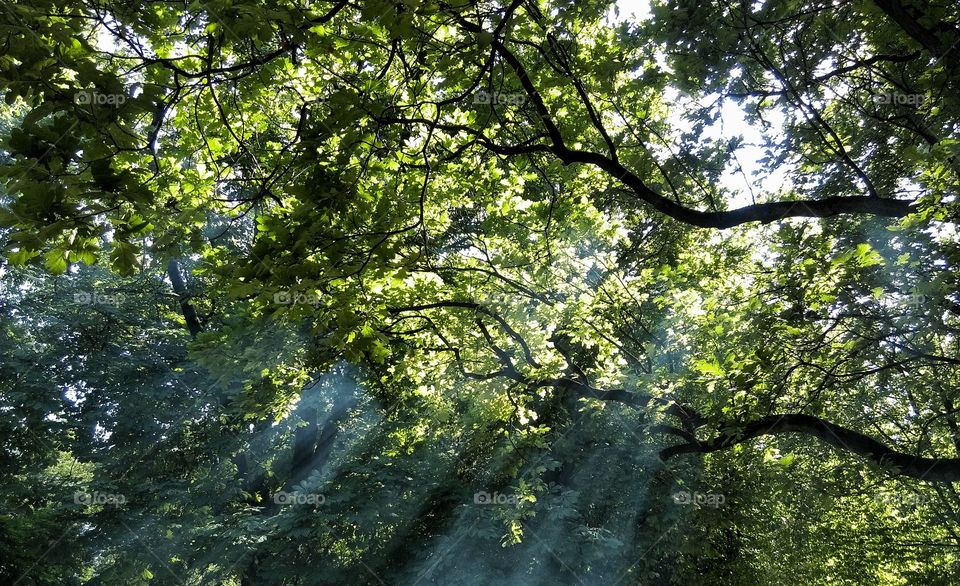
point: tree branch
(762, 212)
(180, 288)
(921, 468)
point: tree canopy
(407, 291)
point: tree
(514, 228)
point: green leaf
(56, 261)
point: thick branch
(186, 308)
(927, 38)
(762, 212)
(921, 468)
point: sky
(732, 122)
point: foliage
(413, 291)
